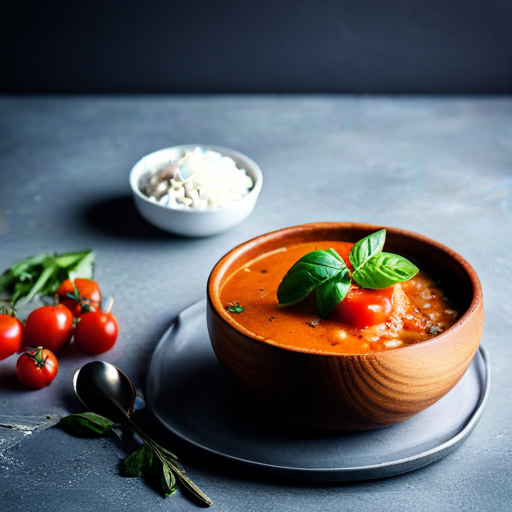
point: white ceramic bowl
(187, 222)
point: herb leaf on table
(43, 274)
(86, 424)
(156, 464)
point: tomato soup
(420, 309)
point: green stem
(174, 466)
(45, 275)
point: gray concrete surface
(438, 166)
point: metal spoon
(107, 391)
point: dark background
(279, 46)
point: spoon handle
(173, 463)
(192, 488)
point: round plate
(192, 397)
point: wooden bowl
(349, 392)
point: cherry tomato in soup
(11, 335)
(364, 307)
(37, 367)
(96, 332)
(87, 295)
(50, 327)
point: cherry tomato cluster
(51, 328)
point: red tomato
(50, 327)
(11, 335)
(96, 332)
(37, 367)
(88, 295)
(363, 307)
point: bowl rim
(216, 305)
(254, 169)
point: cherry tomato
(11, 335)
(96, 332)
(363, 307)
(37, 367)
(50, 327)
(87, 295)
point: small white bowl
(188, 222)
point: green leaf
(235, 307)
(366, 248)
(332, 252)
(46, 275)
(168, 482)
(306, 274)
(86, 424)
(159, 473)
(71, 259)
(330, 293)
(43, 274)
(383, 270)
(145, 462)
(84, 268)
(20, 290)
(139, 462)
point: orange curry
(417, 308)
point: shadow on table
(117, 216)
(9, 381)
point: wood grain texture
(350, 392)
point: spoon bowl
(105, 389)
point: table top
(438, 166)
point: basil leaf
(86, 424)
(168, 481)
(306, 274)
(43, 274)
(330, 293)
(46, 275)
(158, 473)
(366, 248)
(332, 252)
(144, 462)
(383, 270)
(83, 267)
(71, 259)
(136, 463)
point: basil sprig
(145, 462)
(43, 274)
(326, 272)
(156, 464)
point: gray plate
(193, 398)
